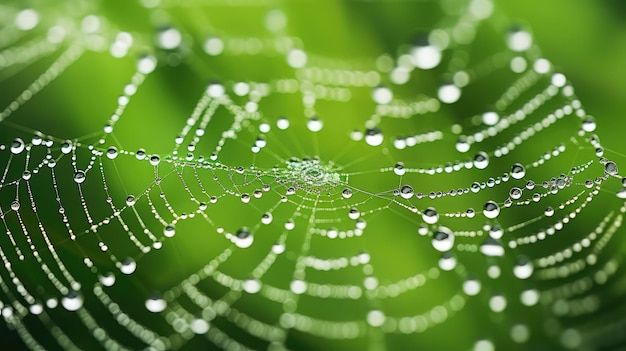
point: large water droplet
(481, 160)
(519, 39)
(374, 137)
(128, 266)
(430, 215)
(72, 301)
(491, 247)
(17, 146)
(315, 124)
(243, 238)
(155, 303)
(518, 171)
(407, 192)
(491, 209)
(523, 268)
(79, 177)
(443, 239)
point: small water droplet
(346, 193)
(491, 247)
(15, 205)
(610, 168)
(399, 169)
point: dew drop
(66, 147)
(443, 239)
(496, 232)
(481, 160)
(610, 168)
(17, 146)
(382, 95)
(491, 247)
(79, 177)
(447, 262)
(112, 153)
(518, 171)
(72, 301)
(374, 137)
(430, 216)
(243, 238)
(155, 303)
(346, 193)
(515, 193)
(462, 145)
(519, 39)
(107, 279)
(471, 287)
(155, 160)
(314, 124)
(146, 64)
(449, 93)
(491, 209)
(407, 192)
(251, 286)
(588, 124)
(128, 266)
(523, 268)
(26, 175)
(130, 200)
(15, 205)
(282, 123)
(267, 218)
(490, 118)
(169, 230)
(399, 169)
(549, 212)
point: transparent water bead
(130, 200)
(128, 266)
(315, 124)
(155, 303)
(491, 209)
(407, 192)
(374, 137)
(610, 168)
(523, 268)
(425, 55)
(72, 301)
(169, 230)
(430, 215)
(382, 95)
(449, 93)
(519, 39)
(17, 146)
(443, 239)
(518, 171)
(243, 238)
(491, 247)
(79, 177)
(481, 160)
(399, 169)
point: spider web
(380, 193)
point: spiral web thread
(296, 231)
